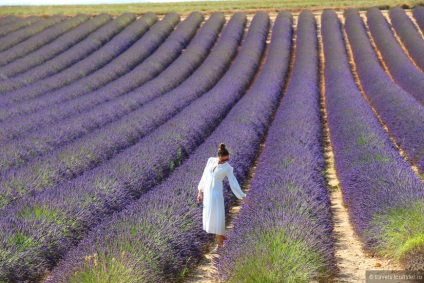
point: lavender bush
(116, 58)
(17, 152)
(418, 13)
(49, 51)
(41, 39)
(408, 34)
(112, 80)
(18, 36)
(400, 111)
(76, 53)
(18, 24)
(7, 20)
(383, 195)
(48, 115)
(100, 145)
(401, 68)
(176, 241)
(287, 235)
(110, 187)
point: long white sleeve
(203, 179)
(234, 185)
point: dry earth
(352, 260)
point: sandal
(215, 250)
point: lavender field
(106, 124)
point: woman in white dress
(213, 202)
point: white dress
(213, 197)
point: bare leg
(221, 239)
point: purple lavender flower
(18, 24)
(399, 110)
(58, 46)
(378, 186)
(401, 68)
(41, 39)
(418, 13)
(18, 36)
(409, 35)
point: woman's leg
(221, 239)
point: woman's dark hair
(222, 151)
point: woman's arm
(203, 179)
(235, 187)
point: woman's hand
(199, 197)
(248, 201)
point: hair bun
(221, 146)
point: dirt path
(205, 271)
(351, 259)
(405, 50)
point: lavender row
(100, 145)
(49, 51)
(409, 35)
(148, 69)
(175, 242)
(8, 19)
(112, 77)
(18, 24)
(400, 67)
(418, 13)
(119, 45)
(41, 39)
(288, 231)
(400, 111)
(106, 34)
(18, 36)
(115, 59)
(375, 181)
(110, 187)
(19, 151)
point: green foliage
(39, 212)
(187, 7)
(402, 230)
(22, 241)
(103, 268)
(274, 257)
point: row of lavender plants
(409, 35)
(98, 146)
(110, 81)
(18, 24)
(18, 36)
(288, 231)
(399, 110)
(418, 13)
(160, 238)
(58, 46)
(72, 208)
(41, 39)
(7, 20)
(47, 115)
(19, 151)
(106, 34)
(402, 70)
(385, 199)
(117, 57)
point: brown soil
(405, 50)
(358, 83)
(206, 270)
(352, 261)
